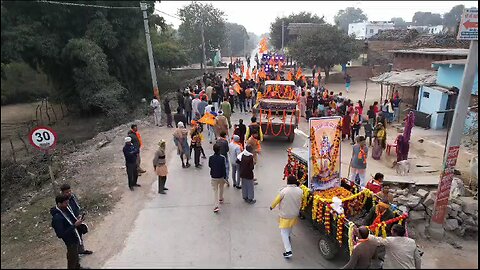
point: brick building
(422, 58)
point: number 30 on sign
(43, 138)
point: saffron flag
(278, 77)
(208, 119)
(262, 73)
(290, 76)
(299, 73)
(263, 45)
(237, 88)
(236, 77)
(247, 76)
(242, 68)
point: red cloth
(375, 188)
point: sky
(257, 16)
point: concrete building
(434, 29)
(422, 58)
(442, 95)
(363, 30)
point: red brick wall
(378, 51)
(418, 61)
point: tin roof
(409, 77)
(451, 62)
(435, 51)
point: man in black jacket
(66, 227)
(218, 172)
(130, 152)
(77, 210)
(168, 111)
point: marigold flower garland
(327, 218)
(351, 227)
(305, 196)
(340, 223)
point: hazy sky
(257, 16)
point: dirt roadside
(99, 179)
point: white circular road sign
(43, 138)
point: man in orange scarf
(138, 144)
(381, 212)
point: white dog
(402, 167)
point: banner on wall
(324, 152)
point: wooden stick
(13, 150)
(23, 141)
(46, 110)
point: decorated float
(277, 110)
(332, 203)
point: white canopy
(279, 83)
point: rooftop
(435, 51)
(409, 77)
(451, 62)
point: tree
(236, 39)
(95, 58)
(276, 27)
(399, 22)
(324, 46)
(347, 16)
(452, 18)
(421, 18)
(193, 15)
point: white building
(434, 30)
(363, 30)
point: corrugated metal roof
(452, 62)
(409, 77)
(437, 51)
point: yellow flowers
(305, 197)
(327, 195)
(351, 227)
(340, 222)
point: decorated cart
(277, 110)
(332, 203)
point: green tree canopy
(213, 20)
(276, 27)
(344, 17)
(95, 58)
(399, 22)
(236, 39)
(324, 46)
(452, 18)
(421, 18)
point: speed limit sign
(43, 138)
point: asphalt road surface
(180, 230)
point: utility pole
(453, 143)
(283, 33)
(156, 93)
(204, 63)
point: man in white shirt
(195, 103)
(157, 111)
(209, 92)
(400, 252)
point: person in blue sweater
(130, 152)
(218, 172)
(66, 227)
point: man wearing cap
(137, 142)
(221, 124)
(130, 152)
(381, 212)
(180, 138)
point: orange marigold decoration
(340, 223)
(327, 218)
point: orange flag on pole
(290, 76)
(208, 119)
(299, 73)
(237, 88)
(248, 75)
(236, 77)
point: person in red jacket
(376, 184)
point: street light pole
(143, 7)
(283, 33)
(204, 64)
(453, 143)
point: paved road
(180, 230)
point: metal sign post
(45, 139)
(466, 32)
